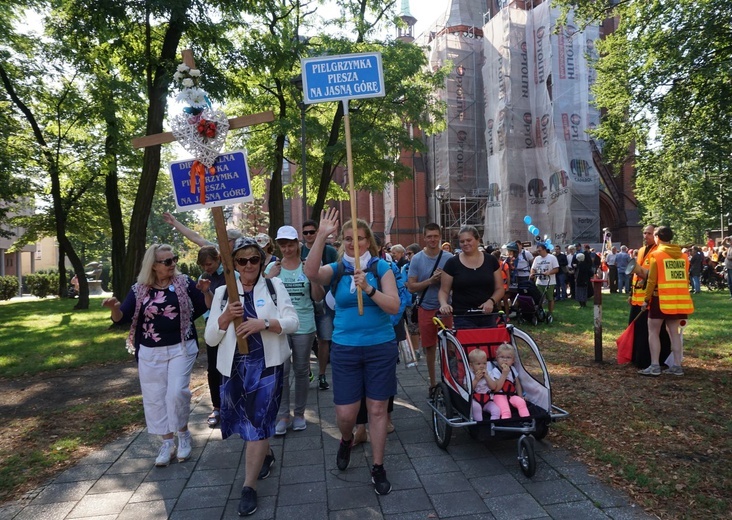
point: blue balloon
(537, 232)
(532, 230)
(527, 220)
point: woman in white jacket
(251, 387)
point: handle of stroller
(438, 322)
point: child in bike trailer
(504, 382)
(481, 390)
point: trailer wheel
(542, 429)
(526, 456)
(440, 427)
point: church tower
(406, 33)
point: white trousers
(165, 376)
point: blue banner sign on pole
(229, 185)
(346, 76)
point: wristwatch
(266, 324)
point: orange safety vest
(505, 273)
(673, 284)
(639, 286)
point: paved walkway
(470, 480)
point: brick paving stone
(445, 483)
(631, 512)
(126, 464)
(83, 472)
(480, 467)
(355, 498)
(368, 513)
(102, 504)
(65, 492)
(156, 509)
(404, 501)
(301, 474)
(205, 513)
(165, 489)
(202, 497)
(430, 465)
(306, 493)
(172, 472)
(120, 482)
(604, 496)
(497, 485)
(554, 492)
(211, 477)
(458, 503)
(54, 511)
(585, 510)
(403, 479)
(302, 457)
(9, 511)
(514, 507)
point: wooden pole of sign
(223, 239)
(217, 211)
(352, 195)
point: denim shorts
(324, 323)
(369, 370)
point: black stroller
(528, 304)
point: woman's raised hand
(111, 302)
(328, 221)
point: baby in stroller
(481, 387)
(505, 384)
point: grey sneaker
(282, 425)
(674, 370)
(299, 424)
(651, 370)
(166, 454)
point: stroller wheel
(526, 456)
(549, 318)
(440, 427)
(542, 429)
(534, 320)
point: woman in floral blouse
(161, 308)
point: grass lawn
(665, 441)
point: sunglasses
(309, 232)
(168, 261)
(254, 260)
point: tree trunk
(276, 201)
(158, 86)
(114, 208)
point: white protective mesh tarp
(537, 112)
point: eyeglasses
(309, 232)
(254, 260)
(350, 239)
(168, 261)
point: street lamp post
(440, 195)
(297, 81)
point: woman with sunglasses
(251, 386)
(161, 308)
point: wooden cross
(217, 211)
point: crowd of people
(331, 283)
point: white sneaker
(184, 445)
(166, 454)
(281, 427)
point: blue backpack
(405, 297)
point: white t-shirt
(544, 265)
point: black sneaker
(378, 478)
(248, 502)
(322, 383)
(343, 457)
(269, 460)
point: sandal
(213, 419)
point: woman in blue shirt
(364, 350)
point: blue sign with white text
(347, 76)
(228, 185)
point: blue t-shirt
(420, 268)
(352, 330)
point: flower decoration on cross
(200, 129)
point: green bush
(41, 284)
(193, 270)
(8, 287)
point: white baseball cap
(287, 233)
